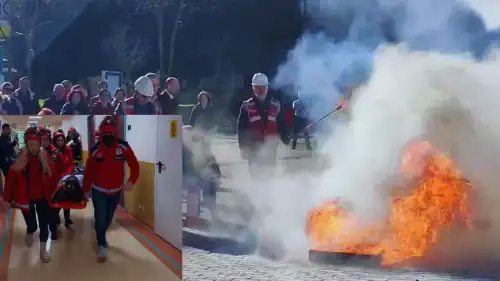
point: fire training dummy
(104, 173)
(59, 144)
(260, 126)
(28, 188)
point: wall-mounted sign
(173, 129)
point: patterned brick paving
(203, 266)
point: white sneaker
(44, 254)
(102, 254)
(28, 239)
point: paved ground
(199, 265)
(235, 171)
(203, 266)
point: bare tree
(157, 9)
(127, 50)
(26, 19)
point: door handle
(160, 165)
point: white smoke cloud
(450, 99)
(489, 11)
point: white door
(168, 180)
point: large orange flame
(439, 196)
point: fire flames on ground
(439, 198)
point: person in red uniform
(140, 103)
(58, 159)
(104, 173)
(28, 188)
(61, 168)
(59, 142)
(260, 127)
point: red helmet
(45, 131)
(46, 111)
(107, 126)
(58, 133)
(32, 133)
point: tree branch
(127, 50)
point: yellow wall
(140, 201)
(85, 155)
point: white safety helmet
(187, 130)
(144, 86)
(260, 79)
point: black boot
(308, 144)
(67, 220)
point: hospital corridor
(144, 239)
(134, 252)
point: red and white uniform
(31, 182)
(105, 167)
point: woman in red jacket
(59, 142)
(103, 105)
(28, 188)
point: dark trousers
(210, 194)
(5, 171)
(45, 220)
(262, 162)
(3, 183)
(299, 124)
(104, 210)
(67, 213)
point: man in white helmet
(140, 103)
(260, 127)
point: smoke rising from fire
(428, 70)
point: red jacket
(62, 165)
(20, 194)
(129, 106)
(105, 169)
(259, 129)
(68, 158)
(99, 109)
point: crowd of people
(35, 175)
(146, 98)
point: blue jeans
(104, 210)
